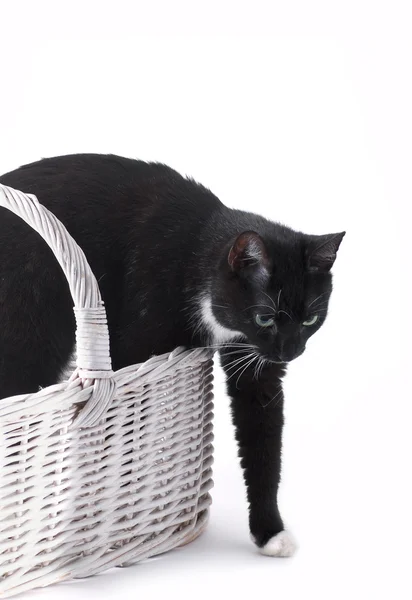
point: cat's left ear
(321, 251)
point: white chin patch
(282, 544)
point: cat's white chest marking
(218, 333)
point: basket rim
(14, 409)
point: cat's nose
(286, 356)
(290, 351)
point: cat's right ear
(321, 251)
(248, 253)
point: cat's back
(97, 182)
(102, 199)
(126, 215)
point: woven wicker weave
(106, 468)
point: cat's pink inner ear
(248, 250)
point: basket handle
(92, 334)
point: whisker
(227, 345)
(255, 372)
(239, 365)
(243, 359)
(321, 305)
(286, 313)
(259, 306)
(259, 367)
(271, 300)
(237, 359)
(224, 344)
(247, 366)
(263, 363)
(237, 362)
(313, 301)
(274, 398)
(236, 351)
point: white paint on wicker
(217, 333)
(283, 544)
(106, 468)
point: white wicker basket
(107, 468)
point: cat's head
(273, 294)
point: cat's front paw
(282, 544)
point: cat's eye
(264, 320)
(311, 321)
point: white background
(300, 111)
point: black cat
(176, 268)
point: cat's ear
(248, 251)
(321, 251)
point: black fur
(158, 244)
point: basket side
(133, 486)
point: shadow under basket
(105, 468)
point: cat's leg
(257, 412)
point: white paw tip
(282, 544)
